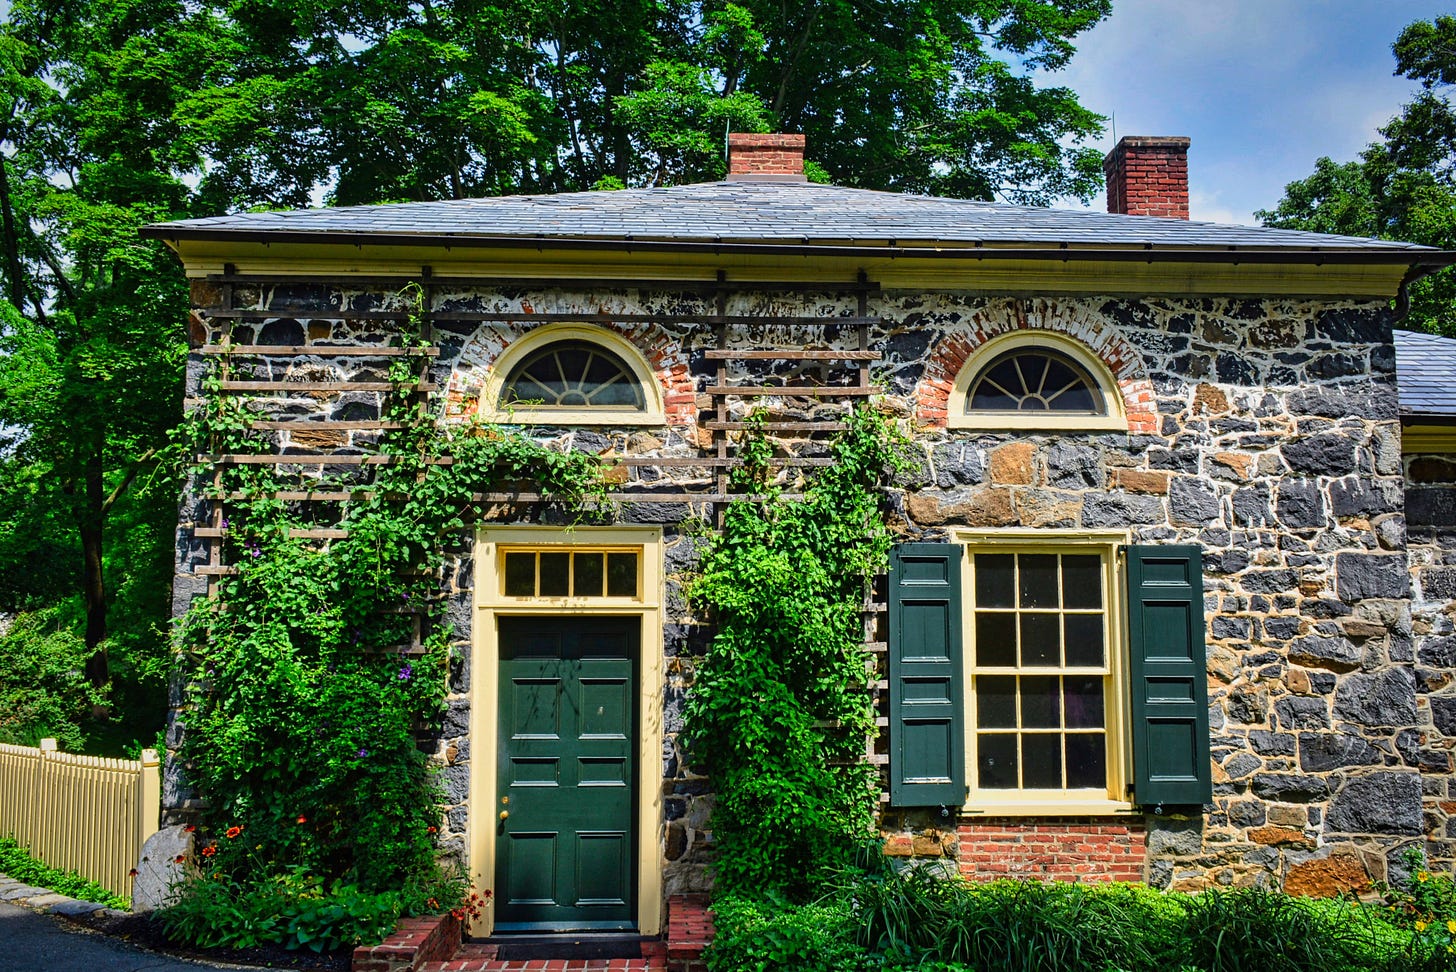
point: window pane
(1041, 702)
(1084, 706)
(621, 575)
(995, 638)
(995, 580)
(996, 761)
(1035, 379)
(1086, 759)
(1084, 640)
(1081, 582)
(520, 574)
(586, 580)
(555, 569)
(1038, 580)
(1041, 761)
(573, 374)
(996, 701)
(1041, 639)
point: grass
(16, 863)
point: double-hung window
(1047, 672)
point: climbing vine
(780, 708)
(307, 705)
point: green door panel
(565, 851)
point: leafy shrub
(18, 864)
(1253, 928)
(43, 686)
(779, 710)
(770, 935)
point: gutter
(1426, 259)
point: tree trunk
(98, 669)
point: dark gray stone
(1267, 743)
(1247, 813)
(1380, 803)
(1192, 501)
(1226, 626)
(1121, 509)
(457, 718)
(1385, 698)
(646, 511)
(1251, 505)
(1300, 504)
(1361, 575)
(1297, 712)
(1363, 497)
(1438, 583)
(1281, 628)
(1430, 506)
(1438, 652)
(1074, 466)
(1290, 787)
(1320, 752)
(1443, 714)
(1174, 836)
(1248, 707)
(456, 780)
(957, 464)
(1337, 653)
(1326, 454)
(1242, 765)
(1269, 581)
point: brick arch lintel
(948, 356)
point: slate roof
(755, 212)
(1425, 371)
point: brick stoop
(415, 942)
(435, 945)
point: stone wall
(1265, 431)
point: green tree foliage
(117, 113)
(1402, 187)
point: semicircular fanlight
(1035, 380)
(573, 375)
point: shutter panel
(1169, 674)
(927, 724)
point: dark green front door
(565, 852)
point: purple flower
(406, 672)
(363, 753)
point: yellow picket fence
(80, 813)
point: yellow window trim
(652, 414)
(958, 416)
(566, 601)
(491, 603)
(1043, 803)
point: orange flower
(209, 850)
(302, 819)
(233, 832)
(190, 828)
(180, 859)
(431, 830)
(133, 872)
(432, 902)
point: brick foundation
(1092, 849)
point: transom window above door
(572, 374)
(605, 572)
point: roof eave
(1064, 252)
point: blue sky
(1262, 87)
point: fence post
(149, 795)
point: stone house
(1173, 599)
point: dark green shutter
(1169, 676)
(927, 725)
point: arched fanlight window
(1035, 380)
(573, 375)
(1032, 379)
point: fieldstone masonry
(1265, 431)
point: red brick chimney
(1148, 176)
(765, 158)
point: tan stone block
(1279, 835)
(1192, 884)
(992, 507)
(1037, 510)
(1284, 815)
(899, 845)
(924, 509)
(319, 330)
(316, 438)
(1297, 679)
(615, 473)
(1012, 464)
(1223, 663)
(1208, 399)
(1142, 481)
(1327, 877)
(926, 845)
(640, 442)
(1357, 628)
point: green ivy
(306, 719)
(780, 708)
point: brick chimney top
(765, 158)
(1148, 176)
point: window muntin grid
(573, 375)
(1035, 380)
(591, 573)
(1040, 672)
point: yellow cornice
(1416, 439)
(204, 258)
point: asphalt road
(34, 942)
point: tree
(1400, 188)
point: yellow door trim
(491, 603)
